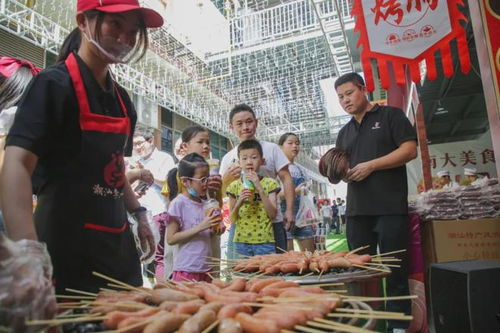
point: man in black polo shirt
(380, 141)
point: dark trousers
(280, 236)
(390, 233)
(336, 224)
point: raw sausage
(257, 286)
(237, 284)
(189, 307)
(256, 325)
(160, 295)
(166, 323)
(229, 325)
(231, 310)
(198, 322)
(214, 306)
(168, 305)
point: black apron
(81, 212)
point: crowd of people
(75, 144)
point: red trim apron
(81, 213)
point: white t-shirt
(341, 209)
(7, 119)
(275, 161)
(326, 211)
(159, 163)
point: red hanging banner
(406, 32)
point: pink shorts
(190, 276)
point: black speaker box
(465, 296)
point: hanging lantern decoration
(406, 32)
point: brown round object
(334, 165)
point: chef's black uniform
(80, 134)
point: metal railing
(277, 22)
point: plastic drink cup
(213, 165)
(247, 183)
(211, 208)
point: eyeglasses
(203, 180)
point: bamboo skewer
(76, 291)
(369, 311)
(264, 305)
(304, 299)
(387, 298)
(386, 265)
(138, 324)
(279, 248)
(123, 305)
(211, 326)
(344, 327)
(354, 329)
(370, 268)
(210, 276)
(324, 284)
(308, 329)
(356, 250)
(368, 316)
(105, 277)
(386, 260)
(287, 331)
(78, 315)
(392, 252)
(56, 322)
(75, 297)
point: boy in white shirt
(243, 123)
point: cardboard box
(461, 240)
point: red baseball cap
(151, 17)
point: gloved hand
(26, 291)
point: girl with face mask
(194, 139)
(190, 228)
(74, 126)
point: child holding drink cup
(253, 207)
(191, 227)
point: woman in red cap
(74, 125)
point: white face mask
(111, 48)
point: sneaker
(398, 330)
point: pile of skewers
(243, 305)
(334, 165)
(297, 263)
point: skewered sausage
(213, 297)
(237, 284)
(198, 322)
(257, 286)
(214, 306)
(114, 318)
(289, 267)
(255, 325)
(189, 307)
(245, 296)
(229, 325)
(280, 284)
(160, 295)
(166, 323)
(219, 283)
(283, 320)
(134, 321)
(168, 305)
(231, 310)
